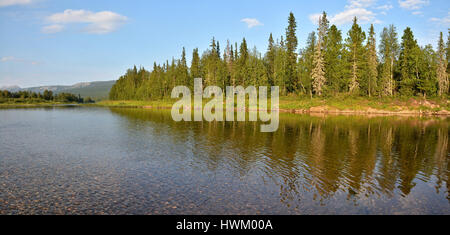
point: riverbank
(344, 105)
(36, 104)
(292, 104)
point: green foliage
(388, 50)
(306, 64)
(371, 75)
(291, 54)
(33, 97)
(408, 62)
(356, 52)
(353, 66)
(334, 66)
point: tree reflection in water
(320, 156)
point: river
(86, 160)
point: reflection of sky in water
(89, 160)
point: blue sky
(62, 42)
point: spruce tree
(372, 62)
(183, 74)
(306, 64)
(356, 51)
(427, 69)
(318, 73)
(291, 50)
(441, 72)
(408, 63)
(270, 55)
(195, 64)
(333, 60)
(280, 66)
(448, 52)
(389, 52)
(243, 62)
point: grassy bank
(33, 103)
(340, 104)
(334, 104)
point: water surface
(132, 161)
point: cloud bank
(251, 22)
(15, 59)
(96, 22)
(5, 3)
(413, 4)
(355, 8)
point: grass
(28, 102)
(335, 103)
(341, 103)
(166, 103)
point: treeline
(46, 96)
(329, 65)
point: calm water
(133, 161)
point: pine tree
(333, 60)
(210, 60)
(229, 63)
(291, 59)
(372, 62)
(356, 50)
(441, 72)
(389, 52)
(195, 65)
(183, 74)
(280, 66)
(306, 64)
(318, 73)
(270, 55)
(243, 61)
(324, 27)
(408, 63)
(427, 67)
(448, 52)
(218, 50)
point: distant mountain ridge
(11, 88)
(96, 90)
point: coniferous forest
(29, 97)
(357, 63)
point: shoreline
(345, 106)
(316, 110)
(323, 109)
(319, 110)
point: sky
(63, 42)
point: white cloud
(363, 15)
(413, 4)
(5, 3)
(417, 13)
(15, 59)
(445, 21)
(385, 7)
(251, 22)
(97, 22)
(358, 8)
(54, 28)
(7, 58)
(360, 3)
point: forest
(331, 64)
(45, 97)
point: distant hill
(10, 88)
(95, 90)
